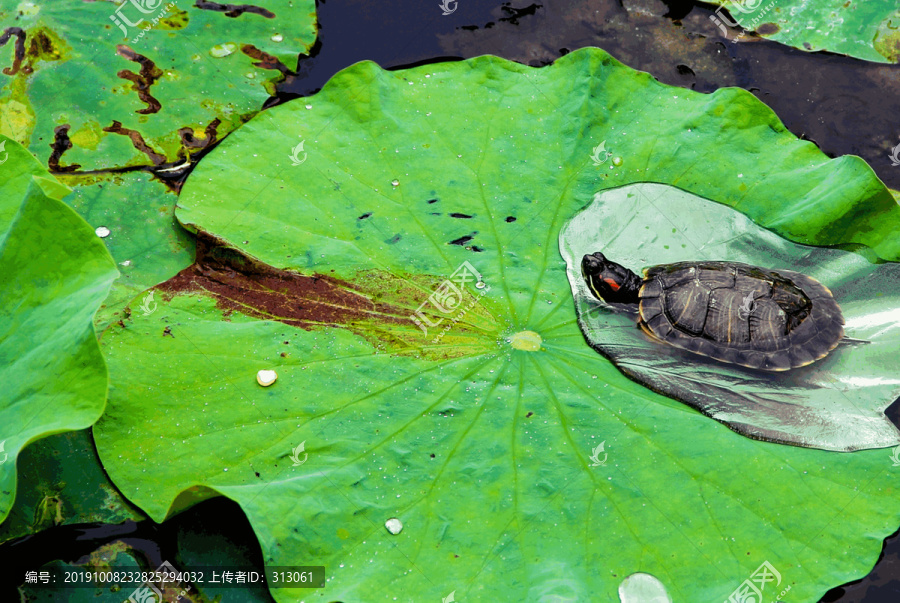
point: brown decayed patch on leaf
(189, 141)
(137, 140)
(234, 10)
(887, 38)
(264, 59)
(767, 29)
(241, 284)
(19, 55)
(141, 82)
(375, 305)
(60, 145)
(42, 47)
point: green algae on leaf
(409, 175)
(834, 404)
(864, 29)
(55, 274)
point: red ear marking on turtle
(615, 286)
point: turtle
(773, 320)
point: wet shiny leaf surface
(834, 404)
(525, 471)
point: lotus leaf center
(528, 341)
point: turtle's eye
(613, 284)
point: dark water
(155, 543)
(843, 105)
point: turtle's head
(609, 281)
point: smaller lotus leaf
(834, 404)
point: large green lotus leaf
(835, 404)
(867, 29)
(180, 76)
(522, 464)
(55, 274)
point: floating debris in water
(266, 377)
(102, 232)
(393, 525)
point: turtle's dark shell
(733, 312)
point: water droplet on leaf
(266, 377)
(393, 525)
